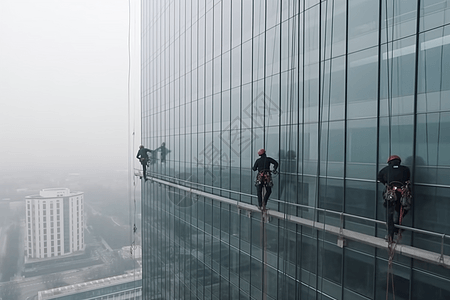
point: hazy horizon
(64, 74)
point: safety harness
(264, 178)
(394, 189)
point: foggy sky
(63, 84)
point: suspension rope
(389, 68)
(264, 217)
(328, 113)
(131, 166)
(266, 130)
(288, 155)
(440, 106)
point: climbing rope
(328, 116)
(389, 67)
(131, 182)
(288, 156)
(264, 217)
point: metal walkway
(340, 232)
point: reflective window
(434, 13)
(259, 11)
(362, 24)
(217, 29)
(236, 26)
(226, 26)
(356, 263)
(361, 148)
(273, 13)
(272, 61)
(330, 89)
(433, 76)
(247, 20)
(362, 83)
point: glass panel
(356, 264)
(433, 76)
(396, 137)
(311, 93)
(401, 19)
(310, 149)
(257, 112)
(332, 149)
(258, 57)
(397, 77)
(434, 13)
(259, 11)
(427, 286)
(333, 99)
(226, 71)
(209, 78)
(362, 24)
(289, 44)
(289, 97)
(236, 67)
(288, 164)
(360, 198)
(217, 83)
(201, 41)
(247, 62)
(362, 83)
(431, 215)
(247, 20)
(311, 39)
(331, 195)
(216, 113)
(270, 101)
(226, 32)
(273, 51)
(235, 23)
(273, 13)
(361, 148)
(217, 29)
(209, 35)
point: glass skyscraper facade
(330, 89)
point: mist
(69, 118)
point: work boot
(388, 238)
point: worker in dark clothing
(142, 155)
(264, 177)
(397, 194)
(164, 152)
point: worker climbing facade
(397, 194)
(164, 151)
(142, 155)
(264, 176)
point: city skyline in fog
(64, 73)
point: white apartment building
(55, 223)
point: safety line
(131, 142)
(391, 247)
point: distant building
(55, 223)
(123, 287)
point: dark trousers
(393, 216)
(266, 196)
(144, 168)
